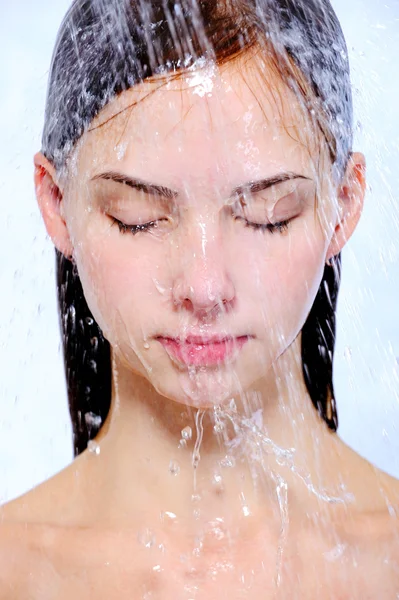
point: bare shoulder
(386, 514)
(371, 536)
(30, 528)
(55, 501)
(376, 491)
(376, 516)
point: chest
(119, 567)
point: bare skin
(122, 523)
(55, 545)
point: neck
(165, 458)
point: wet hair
(107, 46)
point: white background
(35, 432)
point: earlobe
(351, 200)
(50, 200)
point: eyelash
(281, 226)
(133, 229)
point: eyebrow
(262, 184)
(160, 190)
(138, 184)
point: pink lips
(199, 352)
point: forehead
(239, 118)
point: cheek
(283, 277)
(117, 279)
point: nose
(202, 284)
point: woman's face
(184, 251)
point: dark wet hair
(107, 46)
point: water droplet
(217, 481)
(157, 569)
(228, 462)
(174, 467)
(146, 345)
(168, 516)
(187, 433)
(89, 320)
(93, 420)
(160, 288)
(146, 537)
(196, 459)
(223, 566)
(245, 510)
(335, 552)
(182, 444)
(218, 427)
(120, 150)
(216, 531)
(280, 460)
(93, 447)
(348, 353)
(232, 405)
(94, 343)
(244, 506)
(195, 498)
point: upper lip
(203, 339)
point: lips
(203, 339)
(203, 350)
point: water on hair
(248, 441)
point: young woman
(198, 182)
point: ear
(351, 199)
(50, 200)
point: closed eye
(280, 226)
(133, 229)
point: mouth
(201, 351)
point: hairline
(245, 55)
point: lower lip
(201, 355)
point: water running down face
(199, 216)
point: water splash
(252, 441)
(201, 77)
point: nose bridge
(207, 232)
(203, 273)
(203, 254)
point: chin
(204, 388)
